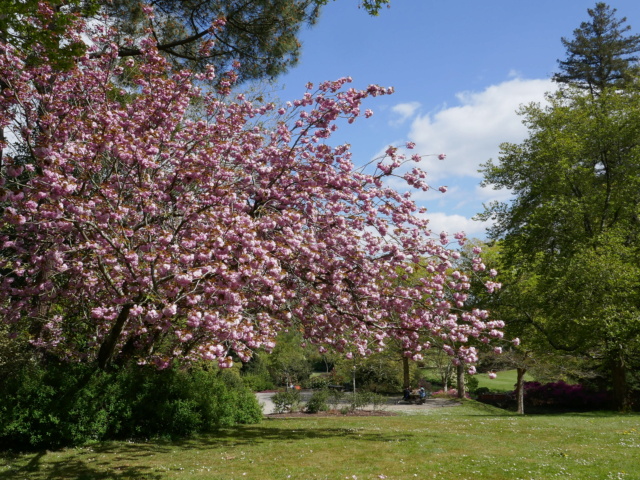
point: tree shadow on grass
(116, 460)
(79, 469)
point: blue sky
(460, 70)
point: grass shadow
(77, 468)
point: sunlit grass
(472, 441)
(504, 382)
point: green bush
(318, 401)
(318, 382)
(258, 382)
(334, 398)
(472, 384)
(288, 401)
(360, 400)
(71, 404)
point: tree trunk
(406, 379)
(520, 389)
(621, 399)
(460, 380)
(107, 348)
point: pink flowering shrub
(564, 395)
(134, 231)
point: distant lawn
(505, 382)
(473, 441)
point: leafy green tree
(262, 35)
(572, 229)
(601, 54)
(289, 362)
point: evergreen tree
(601, 53)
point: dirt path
(393, 404)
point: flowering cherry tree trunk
(133, 232)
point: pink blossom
(442, 156)
(209, 236)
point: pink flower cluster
(133, 229)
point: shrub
(288, 401)
(335, 397)
(318, 402)
(258, 382)
(471, 383)
(563, 395)
(377, 400)
(318, 382)
(359, 400)
(63, 404)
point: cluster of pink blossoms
(132, 229)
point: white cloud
(404, 111)
(443, 222)
(471, 132)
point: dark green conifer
(601, 53)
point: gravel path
(393, 404)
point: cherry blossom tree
(133, 232)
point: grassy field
(472, 441)
(505, 382)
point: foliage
(255, 373)
(472, 383)
(261, 35)
(359, 400)
(562, 395)
(380, 374)
(318, 401)
(570, 238)
(288, 363)
(318, 382)
(131, 233)
(287, 401)
(258, 382)
(335, 397)
(72, 404)
(600, 55)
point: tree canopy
(572, 229)
(260, 35)
(131, 232)
(601, 53)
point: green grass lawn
(505, 381)
(473, 441)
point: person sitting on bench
(422, 394)
(407, 394)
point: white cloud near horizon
(470, 133)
